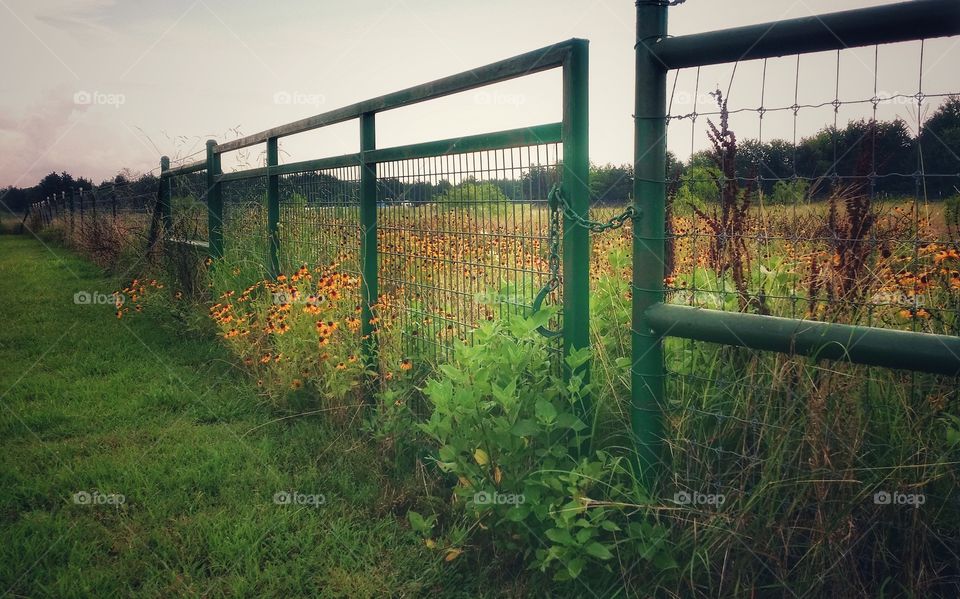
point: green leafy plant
(509, 429)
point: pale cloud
(30, 142)
(77, 16)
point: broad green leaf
(575, 566)
(524, 428)
(545, 411)
(599, 551)
(561, 536)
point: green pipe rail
(902, 22)
(570, 56)
(890, 348)
(656, 54)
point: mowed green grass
(138, 407)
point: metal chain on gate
(559, 208)
(556, 197)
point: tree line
(884, 155)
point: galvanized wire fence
(435, 237)
(244, 224)
(753, 264)
(811, 221)
(858, 228)
(188, 209)
(463, 238)
(105, 220)
(319, 220)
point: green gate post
(368, 240)
(214, 202)
(273, 207)
(166, 210)
(576, 172)
(649, 196)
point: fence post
(649, 196)
(368, 240)
(273, 208)
(214, 202)
(576, 239)
(166, 210)
(113, 203)
(72, 194)
(160, 220)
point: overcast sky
(93, 86)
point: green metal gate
(655, 319)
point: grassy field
(788, 454)
(140, 408)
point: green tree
(472, 192)
(611, 184)
(698, 186)
(940, 148)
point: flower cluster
(133, 294)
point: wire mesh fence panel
(188, 207)
(463, 238)
(245, 235)
(131, 208)
(318, 232)
(811, 193)
(181, 229)
(847, 223)
(107, 220)
(320, 220)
